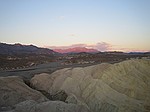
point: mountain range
(13, 49)
(76, 50)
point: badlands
(119, 87)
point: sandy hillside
(120, 87)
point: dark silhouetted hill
(12, 49)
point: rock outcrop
(120, 87)
(13, 90)
(49, 106)
(16, 96)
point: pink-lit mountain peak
(76, 50)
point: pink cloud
(101, 46)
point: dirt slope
(120, 87)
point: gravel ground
(43, 68)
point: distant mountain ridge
(76, 50)
(12, 49)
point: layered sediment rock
(16, 96)
(13, 90)
(49, 106)
(121, 87)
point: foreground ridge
(119, 87)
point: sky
(101, 24)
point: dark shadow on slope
(59, 96)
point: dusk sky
(101, 24)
